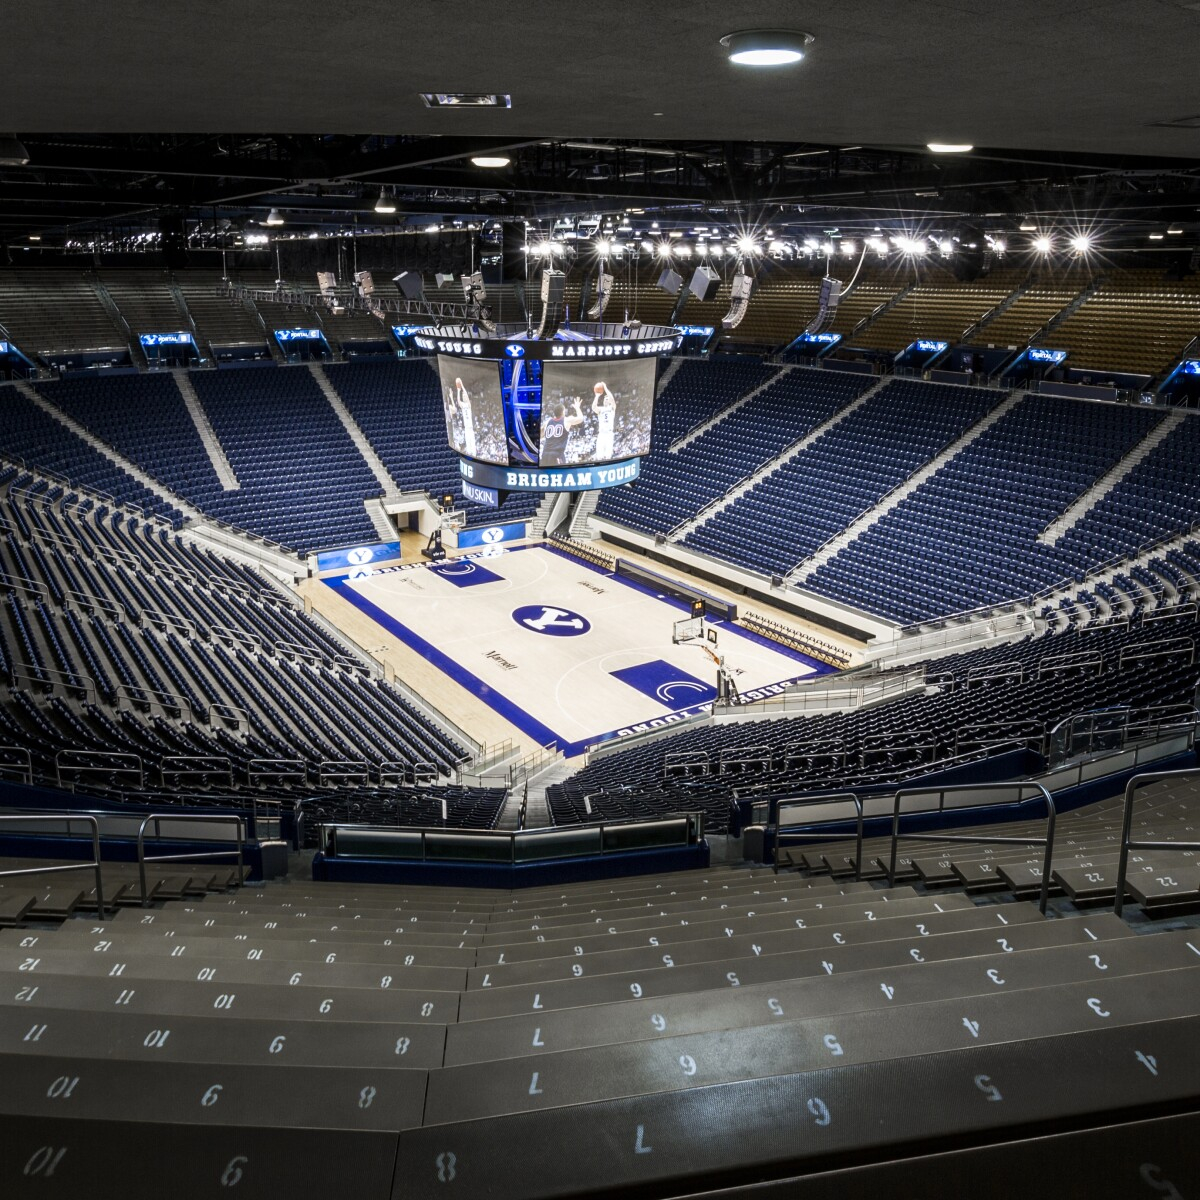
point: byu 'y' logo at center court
(557, 622)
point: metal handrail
(114, 761)
(18, 583)
(208, 854)
(26, 769)
(281, 770)
(1047, 841)
(88, 602)
(1127, 843)
(182, 766)
(828, 798)
(66, 819)
(32, 673)
(343, 771)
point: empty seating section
(398, 406)
(145, 419)
(1158, 498)
(303, 479)
(968, 536)
(966, 713)
(675, 487)
(116, 635)
(49, 310)
(29, 433)
(697, 392)
(814, 494)
(1137, 321)
(938, 307)
(146, 301)
(219, 320)
(1041, 301)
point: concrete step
(390, 487)
(208, 435)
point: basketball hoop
(690, 629)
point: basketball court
(566, 652)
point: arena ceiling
(1081, 111)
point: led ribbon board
(549, 479)
(1053, 357)
(929, 347)
(821, 339)
(298, 335)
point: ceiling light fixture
(766, 47)
(274, 217)
(948, 147)
(385, 203)
(494, 161)
(466, 99)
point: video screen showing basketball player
(556, 433)
(473, 408)
(610, 406)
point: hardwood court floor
(558, 649)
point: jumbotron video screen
(474, 409)
(596, 412)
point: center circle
(551, 620)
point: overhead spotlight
(1028, 226)
(948, 147)
(683, 251)
(766, 47)
(1081, 243)
(1173, 229)
(494, 161)
(664, 250)
(1156, 237)
(717, 251)
(648, 247)
(946, 247)
(274, 217)
(999, 245)
(827, 249)
(1043, 245)
(602, 248)
(35, 237)
(747, 245)
(12, 152)
(849, 248)
(385, 203)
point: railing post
(99, 874)
(895, 839)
